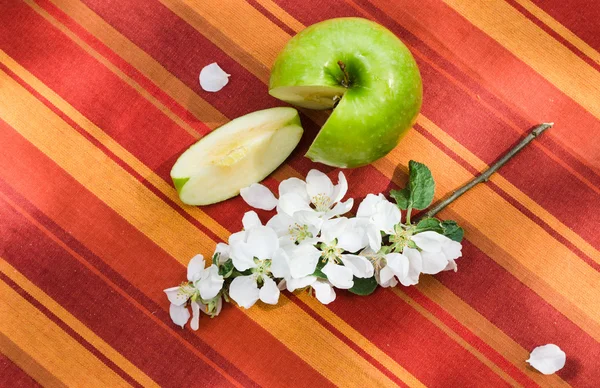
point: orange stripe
(47, 344)
(133, 201)
(528, 42)
(28, 364)
(555, 286)
(561, 30)
(76, 325)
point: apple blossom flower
(318, 194)
(302, 227)
(204, 285)
(340, 235)
(389, 267)
(255, 249)
(381, 216)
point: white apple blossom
(438, 252)
(338, 236)
(204, 284)
(389, 267)
(255, 249)
(317, 195)
(381, 216)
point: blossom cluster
(311, 243)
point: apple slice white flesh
(241, 152)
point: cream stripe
(141, 208)
(76, 325)
(50, 346)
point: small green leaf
(451, 230)
(364, 286)
(429, 224)
(318, 273)
(226, 268)
(402, 197)
(422, 186)
(418, 193)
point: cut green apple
(241, 152)
(362, 71)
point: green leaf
(426, 224)
(402, 197)
(363, 286)
(318, 273)
(422, 186)
(226, 268)
(418, 193)
(451, 230)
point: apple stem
(346, 80)
(485, 176)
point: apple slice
(241, 152)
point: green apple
(241, 152)
(365, 74)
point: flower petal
(213, 78)
(293, 185)
(398, 263)
(194, 324)
(195, 268)
(244, 291)
(222, 250)
(250, 220)
(310, 218)
(280, 267)
(429, 241)
(340, 208)
(295, 284)
(386, 216)
(179, 314)
(175, 296)
(452, 249)
(317, 183)
(385, 276)
(340, 190)
(290, 203)
(235, 238)
(415, 267)
(303, 260)
(374, 237)
(338, 275)
(331, 229)
(263, 242)
(242, 256)
(269, 293)
(353, 237)
(210, 283)
(361, 266)
(548, 359)
(451, 266)
(367, 207)
(259, 196)
(281, 223)
(323, 291)
(433, 262)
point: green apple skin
(380, 103)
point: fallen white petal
(269, 293)
(179, 314)
(213, 78)
(195, 268)
(244, 291)
(259, 196)
(548, 359)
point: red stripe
(579, 16)
(114, 367)
(13, 376)
(522, 314)
(140, 262)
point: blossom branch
(485, 176)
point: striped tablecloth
(99, 97)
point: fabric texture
(99, 97)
